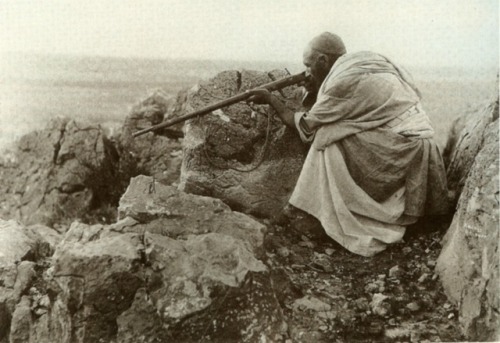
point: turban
(328, 43)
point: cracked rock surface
(233, 138)
(468, 264)
(204, 283)
(58, 173)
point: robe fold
(373, 167)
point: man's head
(321, 53)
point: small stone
(413, 307)
(307, 244)
(323, 262)
(422, 278)
(380, 304)
(392, 321)
(434, 277)
(311, 303)
(406, 250)
(176, 153)
(323, 327)
(44, 301)
(362, 304)
(398, 332)
(371, 288)
(395, 272)
(329, 251)
(415, 337)
(447, 306)
(283, 251)
(381, 276)
(431, 263)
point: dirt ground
(337, 296)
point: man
(373, 167)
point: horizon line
(204, 59)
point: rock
(177, 214)
(468, 263)
(218, 145)
(395, 272)
(431, 263)
(311, 303)
(95, 278)
(24, 278)
(21, 322)
(17, 248)
(464, 143)
(15, 245)
(5, 318)
(398, 333)
(62, 172)
(307, 244)
(406, 250)
(283, 251)
(380, 304)
(362, 304)
(175, 267)
(141, 322)
(413, 307)
(45, 239)
(322, 262)
(155, 153)
(371, 287)
(423, 277)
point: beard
(317, 79)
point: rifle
(271, 86)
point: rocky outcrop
(156, 153)
(222, 150)
(20, 247)
(175, 267)
(65, 170)
(464, 143)
(468, 264)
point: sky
(414, 32)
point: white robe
(366, 96)
(326, 191)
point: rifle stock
(271, 86)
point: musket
(271, 86)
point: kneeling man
(373, 167)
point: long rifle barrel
(271, 86)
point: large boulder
(157, 153)
(464, 143)
(468, 264)
(232, 154)
(176, 267)
(62, 172)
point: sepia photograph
(249, 171)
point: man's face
(317, 65)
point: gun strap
(263, 154)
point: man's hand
(263, 96)
(259, 96)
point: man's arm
(263, 96)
